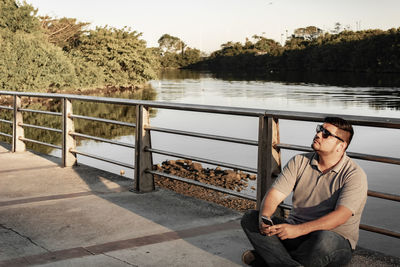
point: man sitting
(329, 194)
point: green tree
(337, 28)
(265, 45)
(229, 49)
(123, 57)
(171, 44)
(190, 56)
(28, 63)
(308, 33)
(15, 16)
(64, 32)
(174, 53)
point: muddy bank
(229, 179)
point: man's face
(325, 141)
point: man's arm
(327, 222)
(268, 206)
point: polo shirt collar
(338, 166)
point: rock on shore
(229, 179)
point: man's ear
(342, 147)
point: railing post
(68, 158)
(144, 182)
(269, 158)
(18, 131)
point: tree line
(311, 50)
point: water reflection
(172, 74)
(372, 91)
(342, 79)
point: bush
(28, 63)
(74, 59)
(18, 17)
(121, 55)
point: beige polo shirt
(316, 194)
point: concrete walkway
(81, 216)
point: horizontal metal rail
(212, 162)
(102, 159)
(285, 206)
(382, 122)
(40, 143)
(293, 147)
(6, 121)
(375, 158)
(102, 139)
(40, 127)
(40, 111)
(379, 230)
(102, 120)
(205, 136)
(361, 156)
(384, 195)
(208, 186)
(6, 135)
(6, 107)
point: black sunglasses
(326, 133)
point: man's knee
(249, 219)
(328, 240)
(332, 246)
(326, 247)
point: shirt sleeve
(354, 191)
(287, 178)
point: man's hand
(284, 231)
(264, 228)
(268, 206)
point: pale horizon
(207, 24)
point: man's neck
(328, 162)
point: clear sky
(206, 24)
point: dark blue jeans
(319, 248)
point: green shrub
(18, 17)
(88, 74)
(28, 63)
(103, 57)
(123, 57)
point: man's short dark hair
(341, 124)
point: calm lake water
(336, 95)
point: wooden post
(18, 130)
(144, 182)
(269, 158)
(68, 158)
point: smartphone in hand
(267, 220)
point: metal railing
(268, 143)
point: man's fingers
(280, 232)
(264, 228)
(273, 231)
